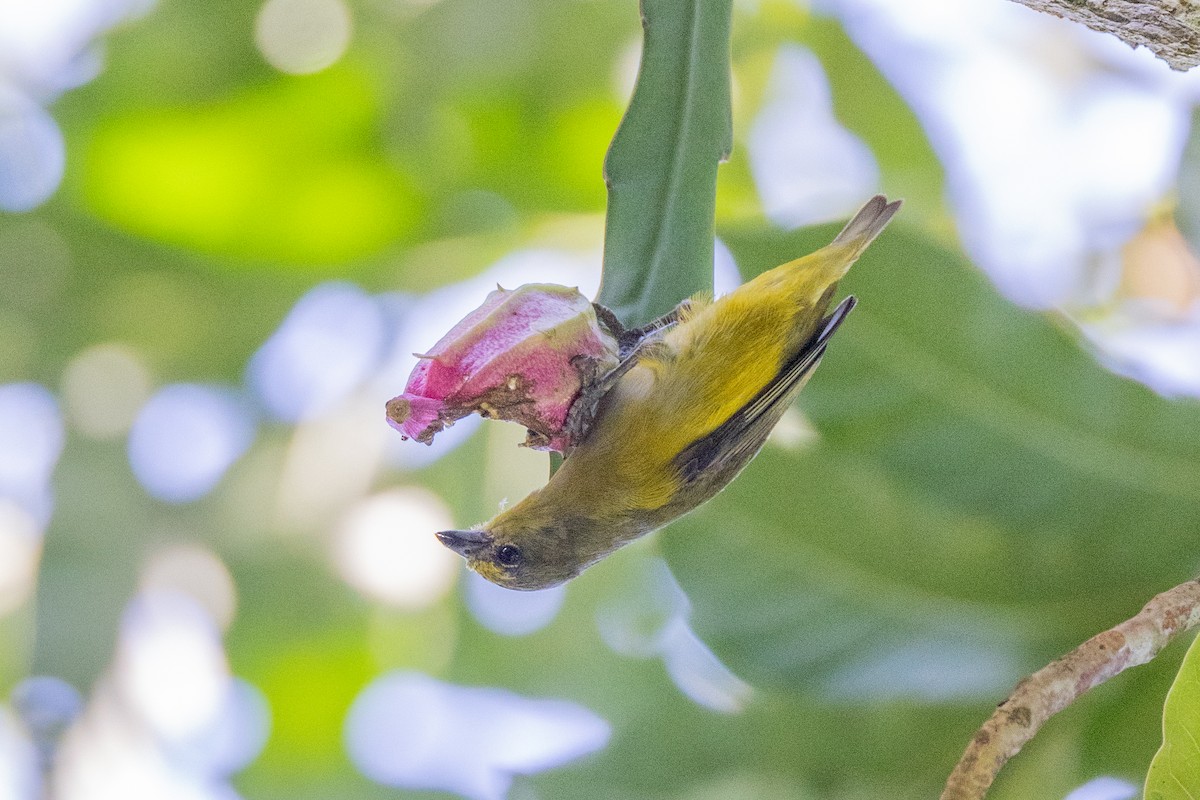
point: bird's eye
(509, 555)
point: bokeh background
(225, 228)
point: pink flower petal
(413, 415)
(521, 356)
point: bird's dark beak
(465, 543)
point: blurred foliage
(978, 485)
(968, 505)
(301, 147)
(954, 431)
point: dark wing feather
(722, 453)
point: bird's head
(527, 556)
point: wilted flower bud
(524, 356)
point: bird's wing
(735, 441)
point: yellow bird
(681, 423)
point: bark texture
(1055, 686)
(1168, 28)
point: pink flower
(524, 356)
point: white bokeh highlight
(234, 737)
(1160, 351)
(46, 48)
(385, 547)
(107, 756)
(303, 36)
(31, 435)
(168, 720)
(46, 705)
(31, 440)
(331, 462)
(103, 388)
(171, 665)
(648, 618)
(512, 613)
(327, 345)
(20, 777)
(807, 167)
(698, 673)
(20, 554)
(33, 155)
(1057, 141)
(410, 731)
(1104, 788)
(726, 275)
(1015, 125)
(194, 571)
(185, 438)
(934, 668)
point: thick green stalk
(661, 169)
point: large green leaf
(1175, 772)
(662, 167)
(981, 495)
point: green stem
(661, 169)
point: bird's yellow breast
(706, 368)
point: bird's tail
(868, 223)
(813, 278)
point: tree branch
(1168, 28)
(1054, 687)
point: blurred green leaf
(1175, 771)
(289, 171)
(981, 492)
(662, 166)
